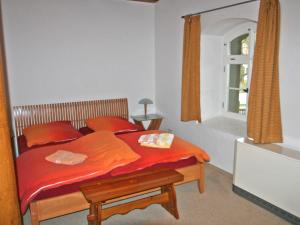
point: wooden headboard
(76, 112)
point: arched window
(238, 54)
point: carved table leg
(170, 206)
(94, 218)
(99, 217)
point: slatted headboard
(76, 112)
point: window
(238, 53)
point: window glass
(238, 52)
(237, 96)
(237, 101)
(238, 75)
(240, 45)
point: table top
(148, 117)
(114, 187)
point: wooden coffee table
(98, 192)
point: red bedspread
(180, 149)
(39, 180)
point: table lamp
(145, 102)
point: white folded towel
(163, 140)
(66, 157)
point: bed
(62, 203)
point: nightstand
(155, 120)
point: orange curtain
(264, 117)
(190, 92)
(9, 213)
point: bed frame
(77, 112)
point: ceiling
(149, 1)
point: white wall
(64, 50)
(169, 35)
(212, 76)
(289, 71)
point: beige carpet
(217, 206)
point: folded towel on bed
(66, 157)
(163, 140)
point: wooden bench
(97, 193)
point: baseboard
(266, 205)
(224, 172)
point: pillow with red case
(112, 123)
(22, 144)
(53, 132)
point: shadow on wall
(223, 26)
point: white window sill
(227, 125)
(235, 116)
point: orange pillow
(112, 123)
(52, 132)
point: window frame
(250, 28)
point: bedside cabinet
(155, 120)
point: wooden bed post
(201, 181)
(34, 213)
(9, 213)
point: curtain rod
(215, 9)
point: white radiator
(269, 172)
